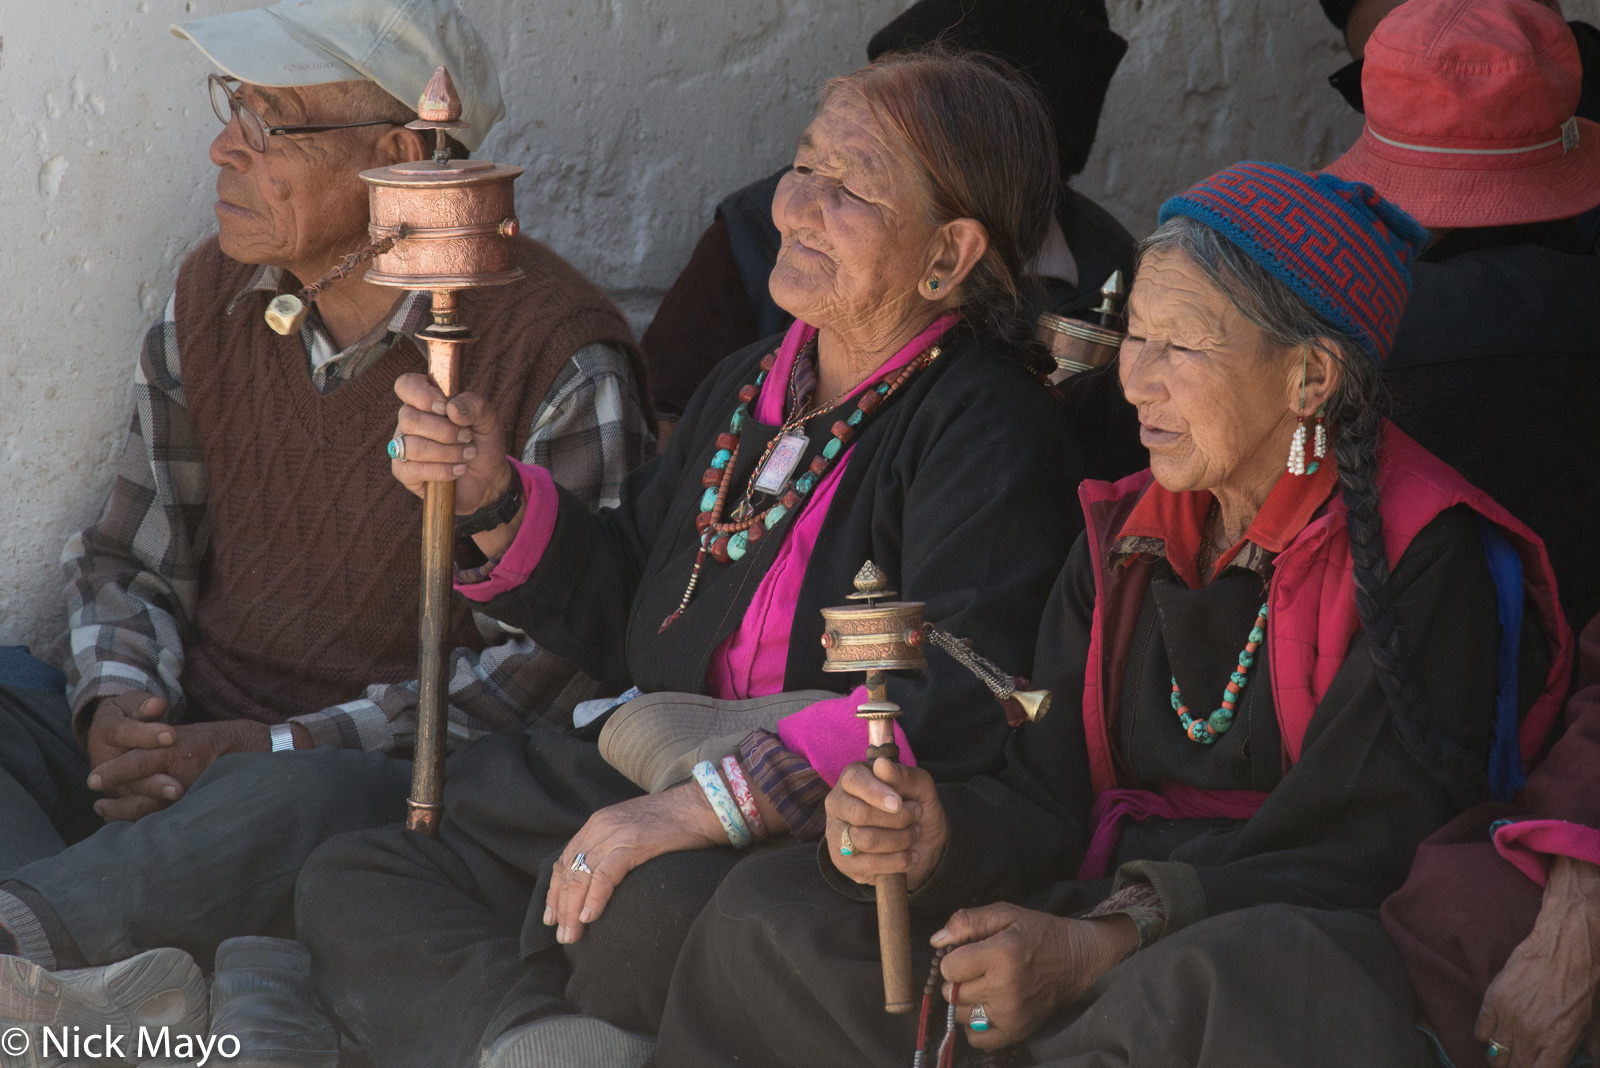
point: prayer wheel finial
(871, 583)
(439, 102)
(1112, 295)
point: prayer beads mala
(946, 1055)
(1209, 729)
(727, 541)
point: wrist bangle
(740, 788)
(282, 737)
(494, 515)
(705, 773)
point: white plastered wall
(632, 117)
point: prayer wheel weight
(876, 638)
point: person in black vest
(1471, 127)
(720, 301)
(242, 632)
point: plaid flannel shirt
(133, 576)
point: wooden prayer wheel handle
(894, 902)
(894, 941)
(446, 340)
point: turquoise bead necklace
(1208, 729)
(726, 541)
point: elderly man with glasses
(243, 612)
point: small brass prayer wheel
(873, 637)
(1082, 346)
(876, 638)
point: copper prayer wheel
(1079, 346)
(455, 219)
(439, 225)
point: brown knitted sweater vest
(310, 587)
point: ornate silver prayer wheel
(1082, 346)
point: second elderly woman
(1274, 659)
(897, 422)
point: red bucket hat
(1470, 115)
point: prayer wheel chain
(1001, 683)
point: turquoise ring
(846, 847)
(397, 448)
(1496, 1051)
(979, 1021)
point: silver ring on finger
(397, 447)
(579, 866)
(1499, 1052)
(847, 848)
(979, 1020)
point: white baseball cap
(395, 43)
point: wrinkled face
(301, 197)
(1216, 399)
(852, 215)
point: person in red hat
(1472, 129)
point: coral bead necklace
(728, 539)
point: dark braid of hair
(1355, 416)
(1355, 446)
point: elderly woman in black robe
(1281, 658)
(900, 421)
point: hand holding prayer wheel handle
(439, 225)
(891, 636)
(872, 638)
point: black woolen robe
(1339, 828)
(1337, 832)
(961, 487)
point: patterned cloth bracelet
(740, 788)
(705, 773)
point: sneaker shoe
(263, 1011)
(95, 1015)
(569, 1042)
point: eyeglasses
(227, 105)
(1347, 79)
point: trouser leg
(425, 950)
(45, 803)
(623, 964)
(221, 861)
(780, 970)
(1273, 985)
(416, 950)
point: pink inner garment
(533, 537)
(752, 661)
(1529, 844)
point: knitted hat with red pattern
(1339, 245)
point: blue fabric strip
(19, 669)
(1505, 567)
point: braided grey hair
(1354, 414)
